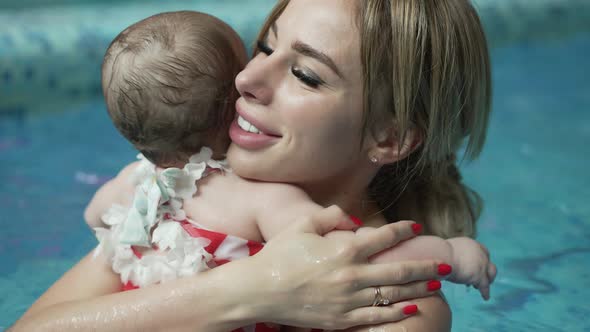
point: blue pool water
(533, 175)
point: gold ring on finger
(379, 300)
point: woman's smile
(247, 126)
(250, 133)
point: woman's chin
(246, 164)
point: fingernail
(416, 228)
(444, 269)
(410, 309)
(433, 285)
(356, 220)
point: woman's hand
(306, 280)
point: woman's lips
(250, 140)
(249, 133)
(248, 119)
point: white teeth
(247, 126)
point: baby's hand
(472, 265)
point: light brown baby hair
(168, 83)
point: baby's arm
(470, 260)
(115, 191)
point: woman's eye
(264, 48)
(311, 81)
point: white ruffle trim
(152, 222)
(179, 255)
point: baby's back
(225, 203)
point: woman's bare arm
(254, 289)
(87, 298)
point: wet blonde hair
(426, 69)
(168, 82)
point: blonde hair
(168, 82)
(426, 69)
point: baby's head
(168, 83)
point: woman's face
(302, 94)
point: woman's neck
(350, 195)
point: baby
(168, 85)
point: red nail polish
(416, 228)
(410, 309)
(444, 269)
(433, 285)
(356, 220)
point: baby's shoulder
(126, 175)
(229, 187)
(273, 190)
(128, 170)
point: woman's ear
(389, 148)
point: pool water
(533, 175)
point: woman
(366, 103)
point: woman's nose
(253, 83)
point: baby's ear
(388, 147)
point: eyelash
(264, 48)
(308, 80)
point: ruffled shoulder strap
(205, 156)
(161, 194)
(152, 222)
(144, 169)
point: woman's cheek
(336, 138)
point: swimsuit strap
(152, 222)
(161, 193)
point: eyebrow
(309, 51)
(306, 50)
